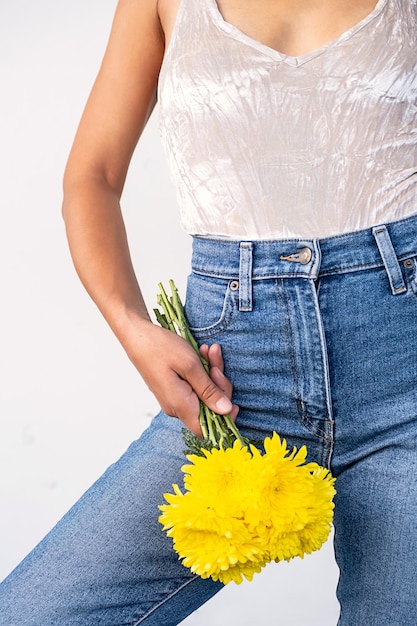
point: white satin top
(262, 145)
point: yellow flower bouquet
(241, 508)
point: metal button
(303, 257)
(234, 285)
(408, 263)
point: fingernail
(223, 405)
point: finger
(208, 391)
(215, 356)
(204, 349)
(221, 381)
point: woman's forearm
(99, 248)
(167, 363)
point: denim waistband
(384, 245)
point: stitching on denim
(327, 459)
(346, 269)
(245, 276)
(328, 425)
(389, 256)
(324, 352)
(315, 429)
(307, 422)
(228, 311)
(409, 255)
(312, 424)
(169, 597)
(342, 269)
(327, 438)
(292, 362)
(234, 275)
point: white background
(70, 401)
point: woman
(290, 129)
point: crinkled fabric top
(262, 145)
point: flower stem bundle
(218, 430)
(241, 508)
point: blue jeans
(320, 341)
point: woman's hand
(173, 372)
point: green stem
(203, 421)
(209, 419)
(161, 319)
(167, 306)
(220, 430)
(232, 426)
(181, 320)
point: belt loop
(245, 276)
(386, 249)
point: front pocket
(210, 305)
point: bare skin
(118, 108)
(293, 27)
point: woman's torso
(317, 141)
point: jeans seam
(169, 597)
(292, 362)
(347, 269)
(317, 431)
(297, 273)
(312, 426)
(295, 377)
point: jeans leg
(108, 562)
(375, 540)
(372, 344)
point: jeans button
(305, 255)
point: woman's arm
(118, 108)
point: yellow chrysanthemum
(207, 522)
(237, 573)
(315, 513)
(321, 507)
(208, 553)
(223, 478)
(242, 509)
(282, 487)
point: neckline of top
(295, 61)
